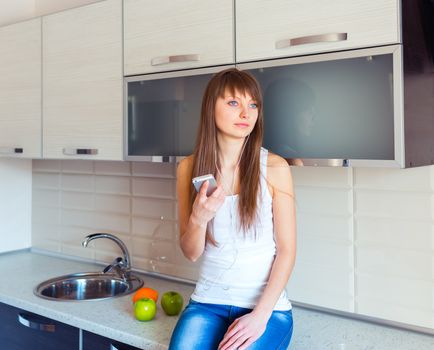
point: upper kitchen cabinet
(279, 28)
(20, 89)
(82, 82)
(172, 35)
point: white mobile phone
(199, 180)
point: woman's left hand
(244, 331)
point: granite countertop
(112, 318)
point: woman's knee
(198, 328)
(278, 333)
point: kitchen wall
(136, 201)
(365, 235)
(15, 204)
(366, 241)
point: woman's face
(236, 116)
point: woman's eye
(254, 105)
(233, 103)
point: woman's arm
(193, 221)
(247, 329)
(284, 233)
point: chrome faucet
(121, 265)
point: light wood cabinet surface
(171, 35)
(83, 81)
(20, 89)
(279, 28)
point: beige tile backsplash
(365, 236)
(135, 201)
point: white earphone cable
(232, 234)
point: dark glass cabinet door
(343, 105)
(93, 341)
(21, 330)
(164, 111)
(335, 107)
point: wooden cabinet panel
(20, 89)
(82, 81)
(278, 28)
(157, 30)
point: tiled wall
(15, 204)
(135, 201)
(366, 241)
(394, 243)
(365, 236)
(324, 273)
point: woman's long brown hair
(206, 149)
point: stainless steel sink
(87, 286)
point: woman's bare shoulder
(276, 161)
(185, 167)
(279, 173)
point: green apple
(172, 302)
(145, 309)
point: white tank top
(236, 272)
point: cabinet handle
(34, 324)
(158, 61)
(311, 39)
(79, 151)
(11, 150)
(119, 347)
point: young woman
(244, 231)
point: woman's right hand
(205, 208)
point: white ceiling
(18, 10)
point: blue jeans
(202, 326)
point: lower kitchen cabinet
(21, 330)
(93, 341)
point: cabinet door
(170, 35)
(23, 330)
(93, 341)
(20, 89)
(278, 28)
(82, 82)
(327, 107)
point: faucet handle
(120, 268)
(118, 262)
